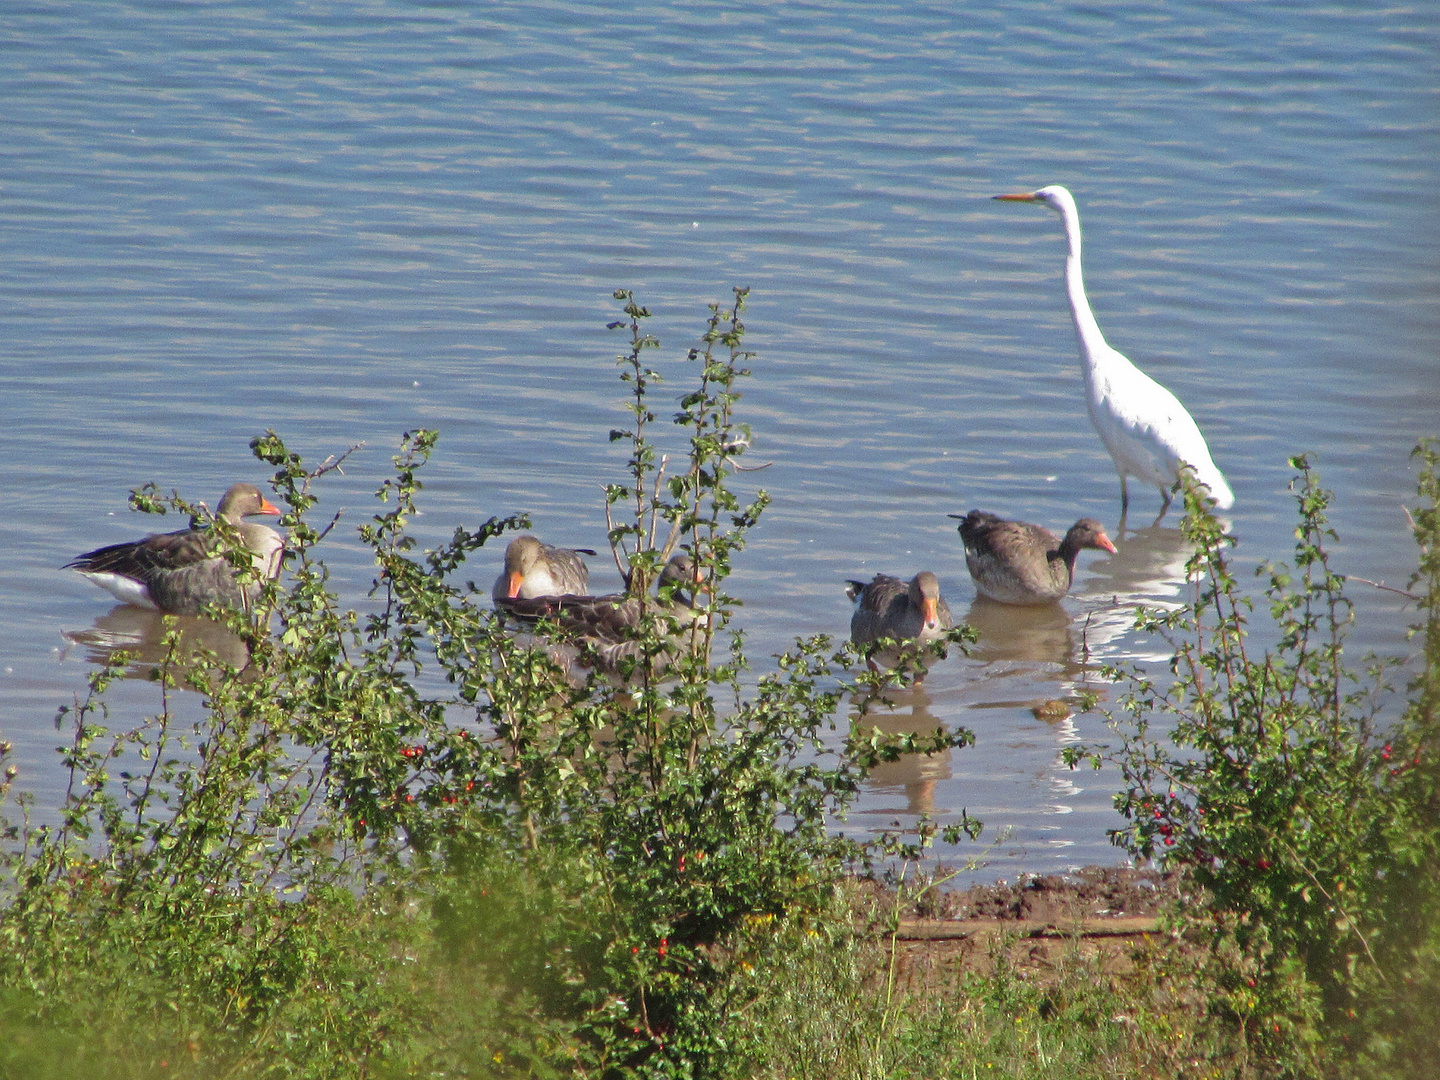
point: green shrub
(1311, 833)
(330, 871)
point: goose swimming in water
(1017, 563)
(887, 607)
(534, 569)
(179, 572)
(606, 625)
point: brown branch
(333, 522)
(334, 462)
(1381, 585)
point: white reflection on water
(1147, 569)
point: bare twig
(616, 546)
(334, 462)
(1351, 923)
(333, 522)
(655, 498)
(331, 463)
(1381, 585)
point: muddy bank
(1103, 913)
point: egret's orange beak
(1022, 197)
(516, 580)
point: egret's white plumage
(1143, 425)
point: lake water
(346, 220)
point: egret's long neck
(1092, 342)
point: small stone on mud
(1053, 711)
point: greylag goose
(890, 608)
(1016, 563)
(534, 569)
(179, 572)
(1143, 425)
(606, 625)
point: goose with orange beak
(178, 573)
(887, 607)
(534, 569)
(1014, 562)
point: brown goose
(1016, 563)
(890, 608)
(607, 624)
(178, 572)
(534, 569)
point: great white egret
(1143, 425)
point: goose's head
(925, 595)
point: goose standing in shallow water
(1016, 563)
(890, 608)
(534, 569)
(179, 572)
(1143, 425)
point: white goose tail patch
(125, 589)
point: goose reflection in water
(1025, 656)
(142, 634)
(1049, 642)
(916, 774)
(1034, 635)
